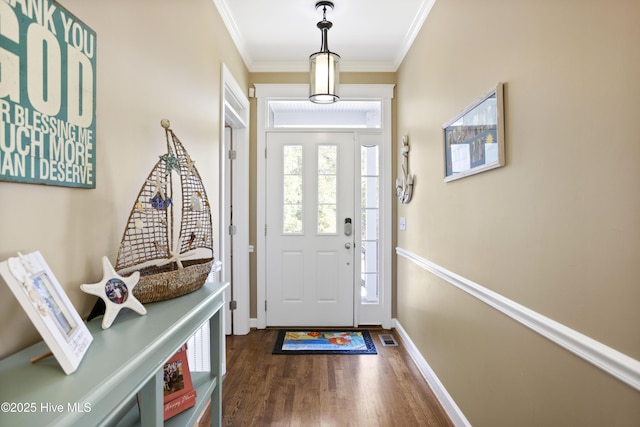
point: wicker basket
(166, 282)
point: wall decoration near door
(47, 96)
(404, 186)
(324, 342)
(474, 139)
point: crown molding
(301, 90)
(414, 29)
(234, 31)
(303, 66)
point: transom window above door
(307, 150)
(343, 114)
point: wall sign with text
(47, 95)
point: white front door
(309, 229)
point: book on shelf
(179, 394)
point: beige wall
(156, 59)
(556, 230)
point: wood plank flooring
(262, 389)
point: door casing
(379, 314)
(234, 111)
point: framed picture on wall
(48, 307)
(474, 139)
(49, 77)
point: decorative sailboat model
(170, 265)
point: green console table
(120, 379)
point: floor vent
(388, 340)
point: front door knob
(347, 245)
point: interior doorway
(234, 205)
(364, 113)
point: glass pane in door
(327, 189)
(292, 189)
(369, 219)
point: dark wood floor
(262, 389)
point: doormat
(324, 342)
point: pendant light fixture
(324, 66)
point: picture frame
(48, 307)
(179, 394)
(474, 139)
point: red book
(179, 394)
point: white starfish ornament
(190, 166)
(158, 185)
(116, 292)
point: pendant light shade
(324, 66)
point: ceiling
(279, 35)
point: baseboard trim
(447, 402)
(615, 363)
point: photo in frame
(48, 307)
(474, 139)
(179, 394)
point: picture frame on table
(48, 307)
(474, 139)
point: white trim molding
(445, 399)
(234, 31)
(301, 90)
(615, 363)
(414, 29)
(302, 65)
(234, 112)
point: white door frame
(383, 92)
(234, 111)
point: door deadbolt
(347, 227)
(347, 245)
